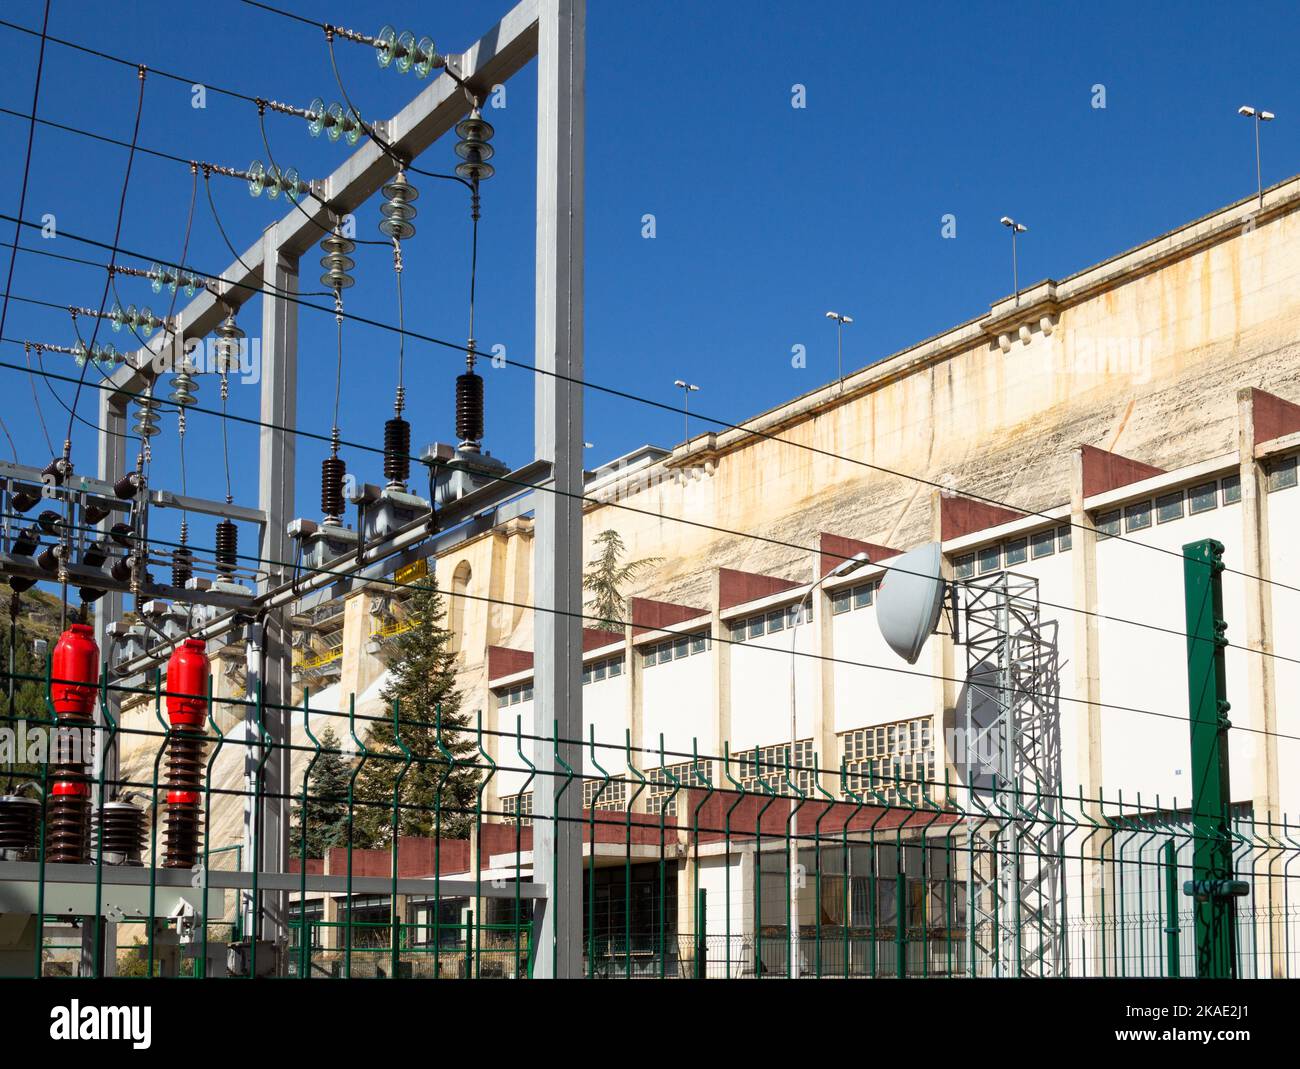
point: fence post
(701, 935)
(1212, 883)
(1171, 907)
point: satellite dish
(910, 599)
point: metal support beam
(557, 552)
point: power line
(365, 447)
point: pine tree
(606, 578)
(422, 683)
(326, 808)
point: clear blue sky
(766, 215)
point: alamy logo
(75, 1021)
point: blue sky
(766, 215)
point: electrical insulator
(333, 470)
(105, 357)
(337, 262)
(127, 486)
(95, 554)
(143, 321)
(229, 341)
(397, 452)
(166, 276)
(23, 499)
(187, 706)
(473, 148)
(26, 541)
(402, 47)
(121, 569)
(122, 534)
(182, 565)
(73, 673)
(49, 521)
(93, 514)
(120, 835)
(19, 823)
(274, 181)
(146, 416)
(184, 386)
(227, 547)
(469, 409)
(397, 209)
(333, 121)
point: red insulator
(74, 672)
(187, 684)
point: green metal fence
(728, 877)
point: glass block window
(674, 649)
(613, 797)
(1231, 489)
(662, 797)
(1063, 538)
(1043, 544)
(965, 565)
(1017, 551)
(1282, 474)
(1169, 507)
(895, 760)
(990, 558)
(768, 763)
(518, 808)
(1203, 498)
(1137, 517)
(1108, 523)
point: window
(520, 692)
(1169, 507)
(771, 622)
(1043, 544)
(769, 764)
(605, 668)
(518, 808)
(895, 760)
(1231, 489)
(1137, 517)
(990, 559)
(1282, 474)
(662, 795)
(1108, 523)
(1203, 498)
(1063, 538)
(841, 601)
(965, 565)
(677, 648)
(1017, 550)
(614, 795)
(864, 595)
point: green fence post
(701, 936)
(1171, 906)
(1212, 881)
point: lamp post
(1260, 116)
(1015, 228)
(845, 567)
(687, 389)
(840, 321)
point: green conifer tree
(326, 808)
(606, 578)
(436, 796)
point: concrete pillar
(718, 628)
(826, 745)
(943, 666)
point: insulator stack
(185, 387)
(473, 148)
(73, 671)
(337, 262)
(397, 451)
(146, 416)
(469, 409)
(229, 340)
(332, 472)
(187, 706)
(421, 57)
(397, 209)
(182, 565)
(143, 322)
(227, 547)
(274, 181)
(19, 823)
(333, 121)
(120, 834)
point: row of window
(520, 692)
(894, 760)
(1169, 507)
(769, 623)
(770, 764)
(605, 668)
(1013, 551)
(846, 598)
(674, 649)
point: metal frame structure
(1012, 736)
(553, 32)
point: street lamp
(1015, 228)
(687, 389)
(845, 567)
(1259, 116)
(840, 321)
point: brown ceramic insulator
(67, 833)
(183, 825)
(19, 823)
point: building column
(633, 671)
(721, 670)
(825, 742)
(943, 666)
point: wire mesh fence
(765, 866)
